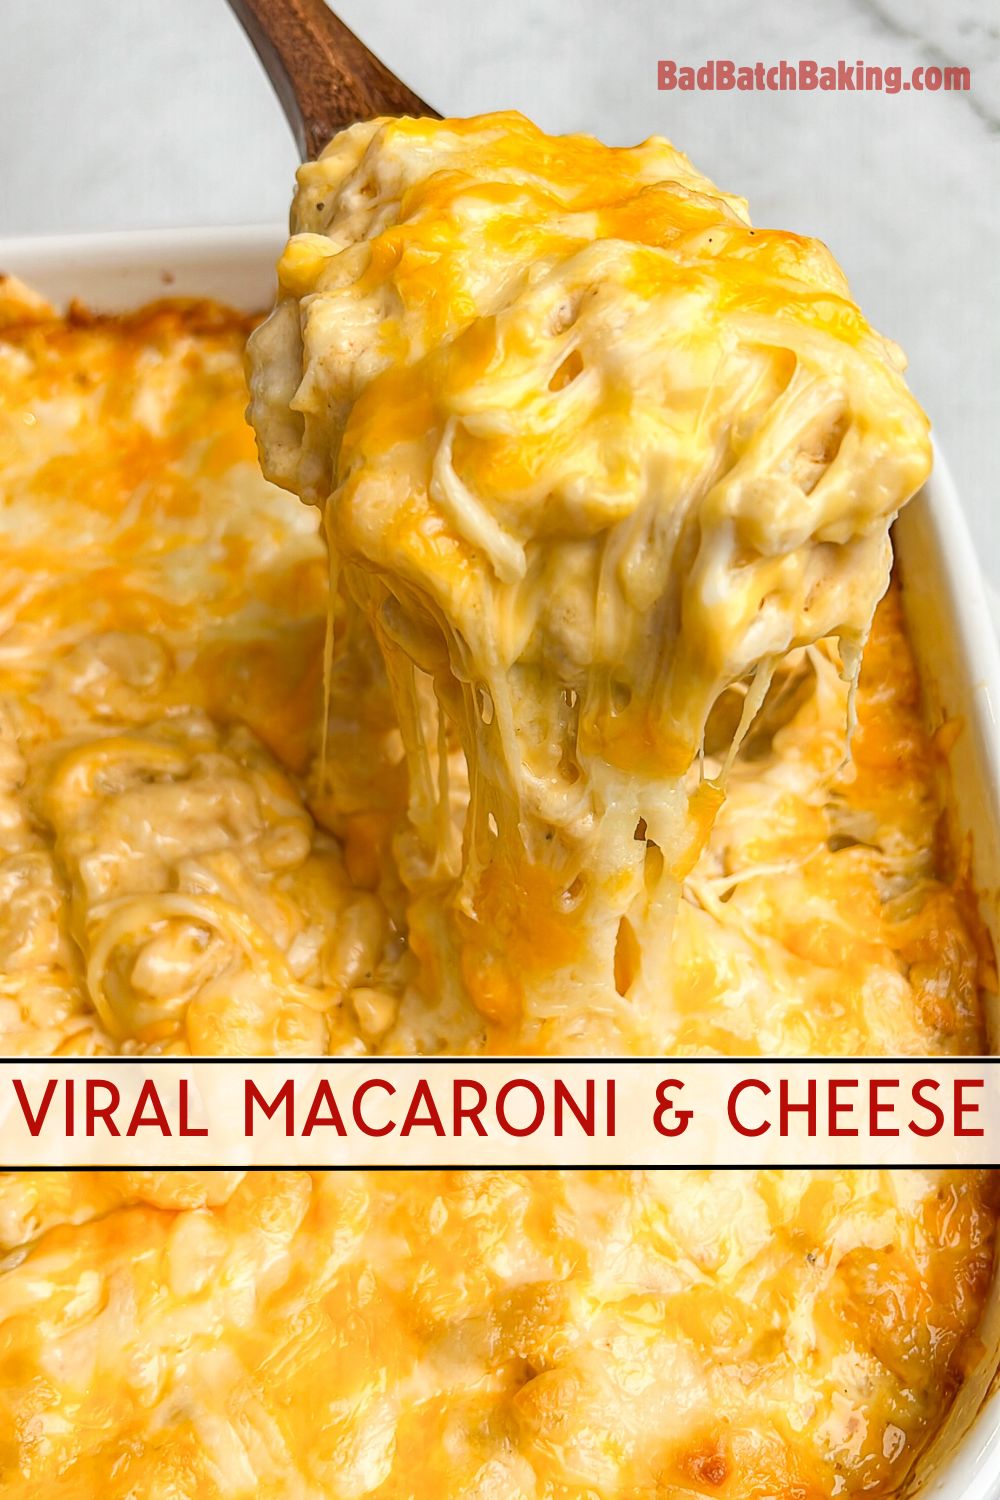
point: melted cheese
(591, 449)
(179, 873)
(508, 1336)
(164, 885)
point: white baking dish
(946, 602)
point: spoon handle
(323, 76)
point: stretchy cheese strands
(591, 449)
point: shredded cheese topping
(506, 1336)
(591, 449)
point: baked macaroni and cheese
(527, 733)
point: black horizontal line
(473, 1061)
(284, 1166)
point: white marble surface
(122, 113)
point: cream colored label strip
(506, 1112)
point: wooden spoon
(323, 76)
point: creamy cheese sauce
(194, 857)
(591, 449)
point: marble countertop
(150, 113)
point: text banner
(446, 1112)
